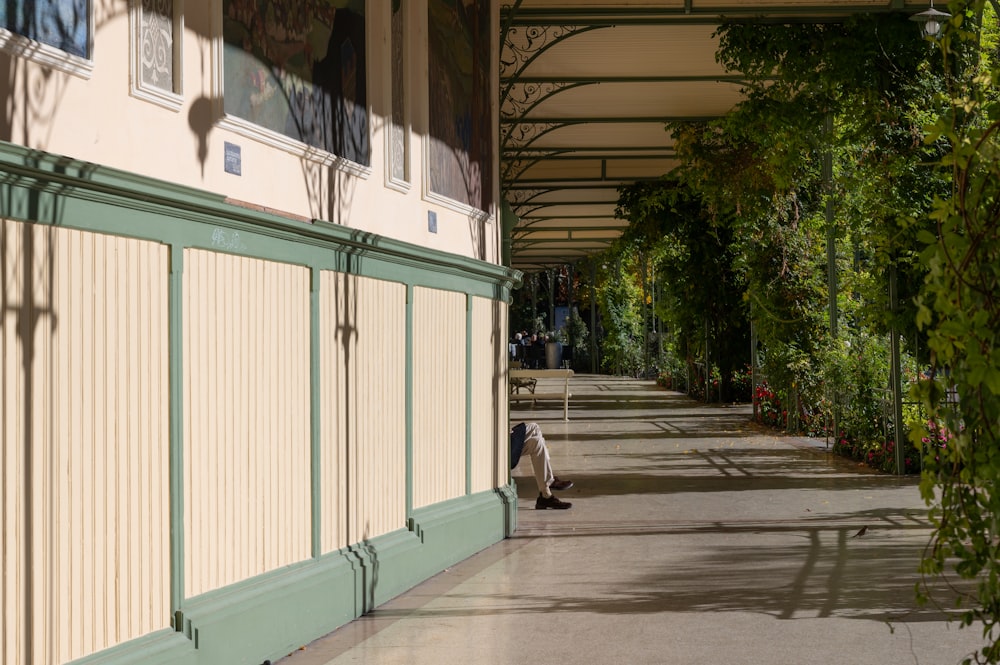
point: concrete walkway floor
(694, 537)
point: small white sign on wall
(234, 159)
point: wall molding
(87, 196)
(271, 615)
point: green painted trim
(383, 567)
(540, 49)
(582, 155)
(468, 394)
(542, 191)
(164, 647)
(596, 152)
(569, 155)
(523, 108)
(566, 121)
(408, 380)
(315, 414)
(271, 615)
(85, 196)
(694, 78)
(175, 445)
(577, 183)
(454, 530)
(691, 15)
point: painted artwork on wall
(64, 24)
(297, 67)
(460, 155)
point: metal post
(753, 366)
(831, 229)
(831, 251)
(645, 319)
(894, 376)
(707, 368)
(551, 324)
(534, 302)
(593, 316)
(570, 269)
(570, 340)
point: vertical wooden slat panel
(77, 305)
(93, 467)
(246, 377)
(382, 447)
(63, 378)
(77, 347)
(501, 405)
(192, 395)
(333, 387)
(159, 485)
(10, 410)
(362, 338)
(439, 397)
(489, 392)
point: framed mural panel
(298, 68)
(155, 70)
(460, 155)
(61, 24)
(399, 154)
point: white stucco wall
(95, 118)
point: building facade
(253, 319)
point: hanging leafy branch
(857, 92)
(959, 307)
(702, 293)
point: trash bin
(553, 355)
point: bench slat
(517, 396)
(517, 377)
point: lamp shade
(930, 21)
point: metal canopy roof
(585, 90)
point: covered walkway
(695, 537)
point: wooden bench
(529, 378)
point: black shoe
(560, 485)
(541, 503)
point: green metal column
(408, 382)
(593, 316)
(468, 393)
(831, 251)
(645, 317)
(551, 323)
(753, 365)
(315, 413)
(831, 229)
(708, 365)
(534, 301)
(895, 374)
(508, 221)
(175, 309)
(570, 269)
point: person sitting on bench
(526, 438)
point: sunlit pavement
(694, 537)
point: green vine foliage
(959, 307)
(620, 302)
(701, 291)
(856, 93)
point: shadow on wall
(278, 78)
(35, 93)
(26, 284)
(202, 118)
